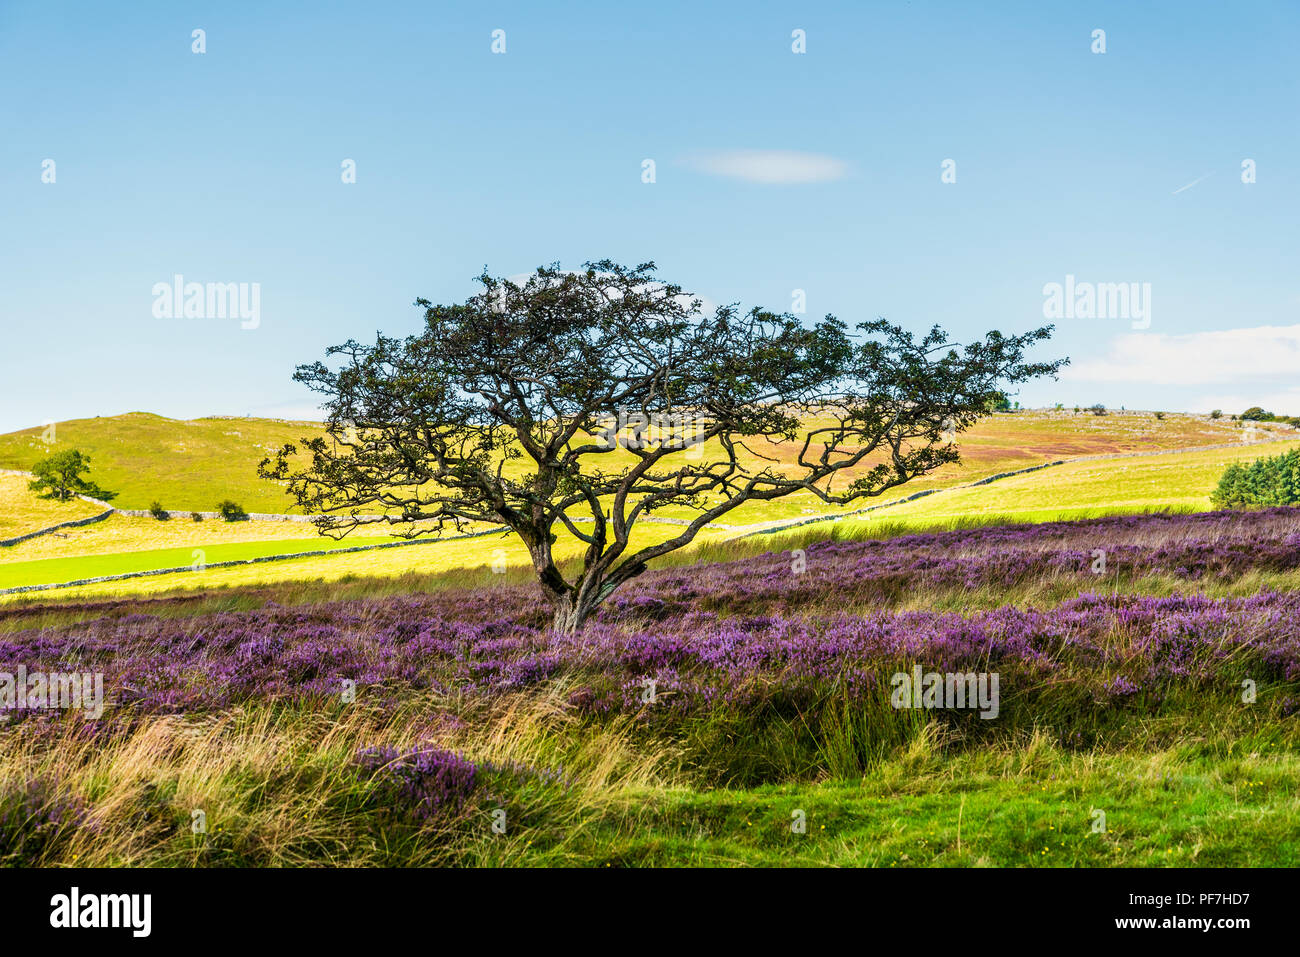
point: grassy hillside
(191, 465)
(23, 511)
(1081, 489)
(1005, 442)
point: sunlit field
(1078, 489)
(191, 465)
(152, 444)
(1121, 692)
(422, 556)
(23, 511)
(731, 707)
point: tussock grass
(280, 788)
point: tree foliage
(62, 476)
(590, 400)
(1267, 481)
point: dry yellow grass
(1175, 480)
(282, 787)
(23, 511)
(124, 533)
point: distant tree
(1264, 482)
(1097, 409)
(998, 402)
(1160, 416)
(232, 511)
(584, 401)
(1256, 414)
(158, 512)
(61, 477)
(1216, 414)
(195, 516)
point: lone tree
(60, 477)
(591, 399)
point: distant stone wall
(108, 510)
(253, 516)
(6, 542)
(243, 561)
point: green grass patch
(54, 570)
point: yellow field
(504, 551)
(23, 511)
(1180, 480)
(125, 533)
(997, 444)
(192, 465)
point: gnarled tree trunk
(571, 611)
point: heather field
(719, 712)
(565, 438)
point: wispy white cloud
(1222, 356)
(770, 166)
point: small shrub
(232, 511)
(1160, 416)
(158, 512)
(1097, 409)
(196, 516)
(1216, 414)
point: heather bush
(420, 784)
(36, 821)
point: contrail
(1191, 184)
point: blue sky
(774, 171)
